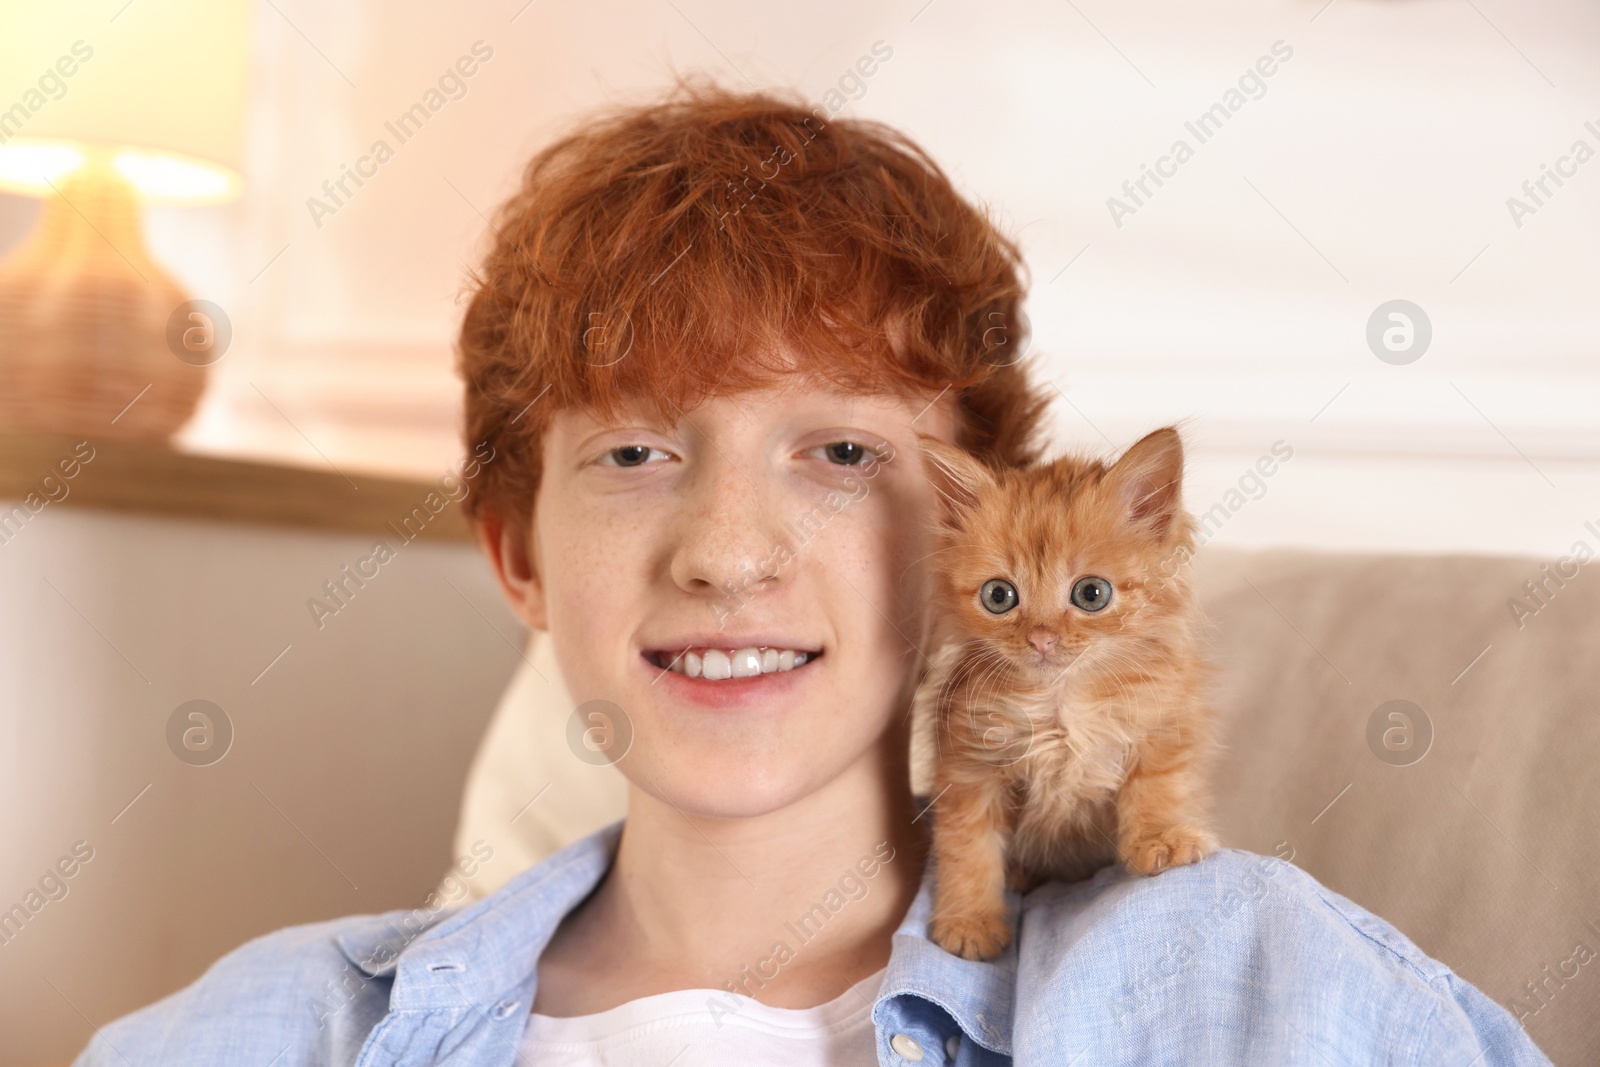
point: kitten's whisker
(966, 660)
(977, 697)
(1115, 655)
(986, 664)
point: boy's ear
(1149, 479)
(516, 569)
(955, 473)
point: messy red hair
(668, 253)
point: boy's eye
(848, 453)
(630, 455)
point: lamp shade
(158, 83)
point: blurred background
(230, 314)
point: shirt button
(906, 1046)
(505, 1008)
(952, 1045)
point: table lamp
(105, 107)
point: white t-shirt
(691, 1027)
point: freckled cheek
(887, 545)
(592, 562)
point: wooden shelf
(160, 480)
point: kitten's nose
(1043, 640)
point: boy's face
(652, 538)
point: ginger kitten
(1067, 693)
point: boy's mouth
(723, 664)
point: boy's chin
(723, 788)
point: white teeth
(717, 665)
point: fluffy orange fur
(1070, 733)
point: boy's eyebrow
(590, 423)
(637, 414)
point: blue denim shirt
(1239, 959)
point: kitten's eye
(1091, 594)
(998, 595)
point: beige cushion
(1482, 851)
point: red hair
(668, 252)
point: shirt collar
(484, 949)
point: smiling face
(791, 519)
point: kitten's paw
(972, 937)
(1176, 846)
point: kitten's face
(1062, 570)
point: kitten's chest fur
(1064, 788)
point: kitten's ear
(1149, 479)
(955, 473)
